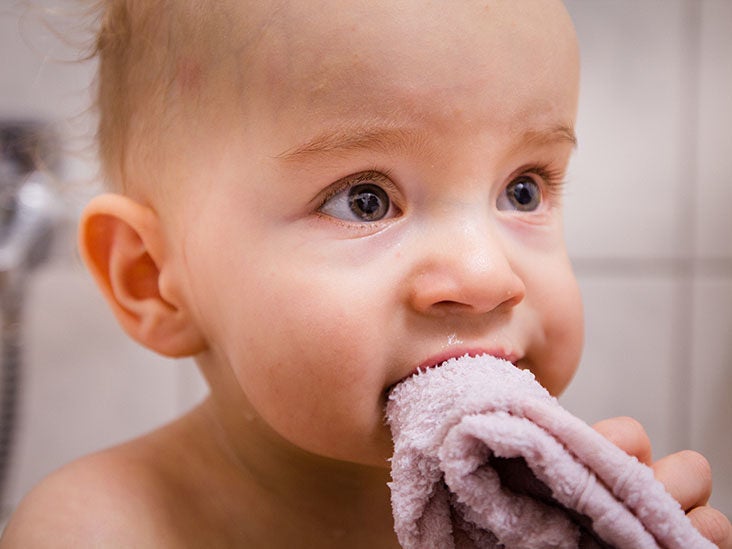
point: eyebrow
(343, 140)
(387, 138)
(561, 133)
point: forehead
(328, 58)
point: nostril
(516, 295)
(451, 307)
(483, 301)
(465, 279)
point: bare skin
(303, 304)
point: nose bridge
(461, 239)
(464, 263)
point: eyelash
(380, 177)
(552, 179)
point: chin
(374, 454)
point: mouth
(439, 359)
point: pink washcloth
(485, 457)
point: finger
(687, 476)
(628, 435)
(713, 525)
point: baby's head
(163, 69)
(317, 198)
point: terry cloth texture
(484, 456)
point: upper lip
(438, 359)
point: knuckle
(635, 431)
(632, 425)
(698, 465)
(627, 433)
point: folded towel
(484, 456)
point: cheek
(312, 340)
(559, 308)
(569, 333)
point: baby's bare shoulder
(108, 499)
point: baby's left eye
(523, 194)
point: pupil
(369, 202)
(523, 194)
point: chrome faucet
(29, 213)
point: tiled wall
(647, 227)
(648, 222)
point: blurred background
(647, 220)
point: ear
(123, 246)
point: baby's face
(384, 196)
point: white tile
(714, 235)
(623, 188)
(711, 374)
(85, 385)
(43, 79)
(40, 52)
(628, 364)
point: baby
(314, 199)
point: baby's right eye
(361, 198)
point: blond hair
(154, 57)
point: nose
(463, 269)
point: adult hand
(686, 475)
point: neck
(291, 497)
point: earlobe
(123, 247)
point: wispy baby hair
(154, 57)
